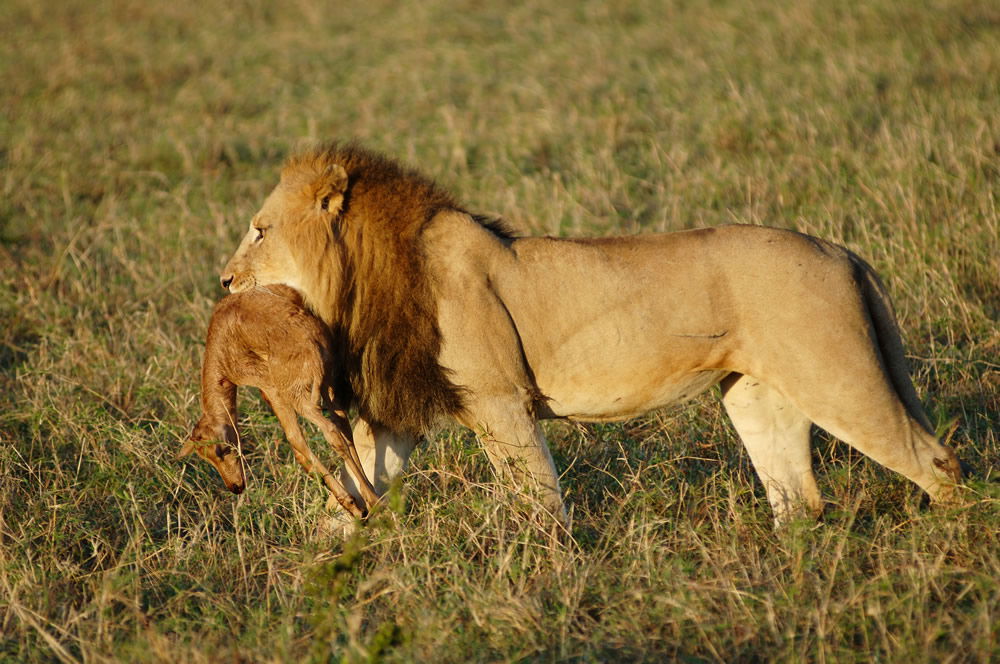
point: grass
(136, 139)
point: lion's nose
(226, 279)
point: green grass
(136, 139)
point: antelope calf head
(218, 445)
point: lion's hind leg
(858, 404)
(877, 424)
(776, 435)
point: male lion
(438, 312)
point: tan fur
(441, 313)
(266, 339)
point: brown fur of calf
(265, 338)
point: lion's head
(291, 230)
(344, 228)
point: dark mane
(385, 320)
(497, 226)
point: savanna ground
(136, 142)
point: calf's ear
(231, 436)
(188, 448)
(328, 190)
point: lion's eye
(260, 234)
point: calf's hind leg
(288, 419)
(384, 456)
(776, 436)
(343, 446)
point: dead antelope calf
(265, 338)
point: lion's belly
(603, 398)
(628, 357)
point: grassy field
(135, 142)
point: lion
(440, 313)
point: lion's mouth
(237, 285)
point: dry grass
(135, 141)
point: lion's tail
(888, 341)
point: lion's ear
(329, 188)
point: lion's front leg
(384, 455)
(516, 447)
